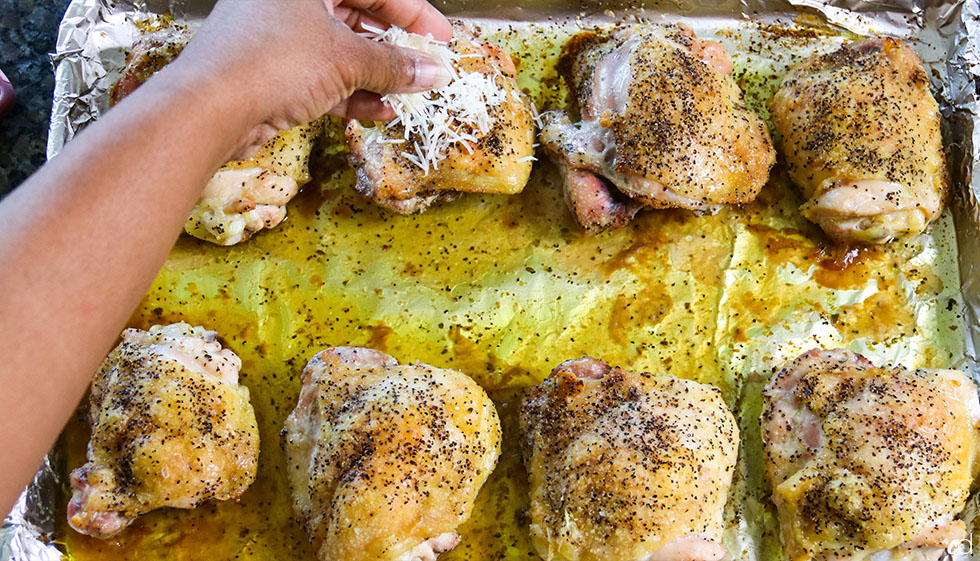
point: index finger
(417, 16)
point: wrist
(218, 107)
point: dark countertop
(30, 29)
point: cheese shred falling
(435, 121)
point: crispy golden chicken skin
(171, 427)
(866, 460)
(244, 196)
(385, 460)
(860, 133)
(626, 466)
(663, 125)
(497, 162)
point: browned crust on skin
(394, 182)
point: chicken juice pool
(504, 288)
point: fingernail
(429, 74)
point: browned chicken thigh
(625, 466)
(385, 460)
(171, 427)
(860, 132)
(244, 196)
(869, 463)
(406, 173)
(663, 125)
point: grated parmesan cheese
(437, 120)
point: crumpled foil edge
(90, 53)
(27, 532)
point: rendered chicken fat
(869, 463)
(663, 125)
(625, 466)
(385, 460)
(171, 427)
(861, 135)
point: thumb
(385, 69)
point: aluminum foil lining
(95, 35)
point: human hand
(288, 62)
(254, 67)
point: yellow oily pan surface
(504, 288)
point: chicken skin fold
(626, 466)
(385, 460)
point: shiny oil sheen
(504, 288)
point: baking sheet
(505, 288)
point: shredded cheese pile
(436, 120)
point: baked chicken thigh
(625, 466)
(385, 460)
(171, 427)
(860, 134)
(477, 135)
(868, 463)
(663, 125)
(244, 196)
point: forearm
(81, 241)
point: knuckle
(389, 69)
(403, 70)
